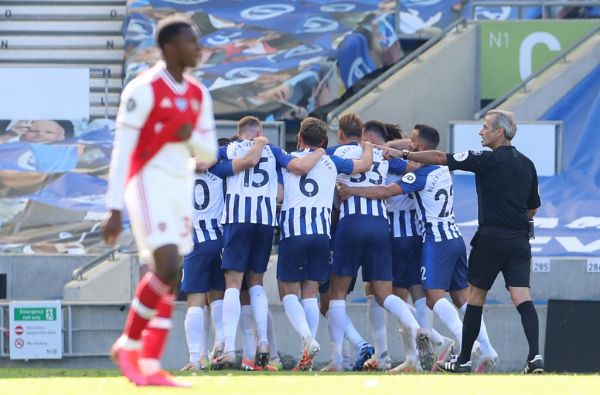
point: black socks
(471, 328)
(529, 319)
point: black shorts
(496, 251)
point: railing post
(69, 330)
(2, 328)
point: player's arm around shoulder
(366, 160)
(380, 192)
(252, 157)
(301, 166)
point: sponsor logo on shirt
(409, 178)
(461, 156)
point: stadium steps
(67, 33)
(435, 87)
(92, 287)
(62, 12)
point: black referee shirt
(507, 185)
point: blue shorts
(444, 265)
(363, 241)
(406, 260)
(303, 258)
(202, 267)
(247, 247)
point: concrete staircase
(68, 33)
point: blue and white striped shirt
(252, 194)
(432, 187)
(402, 212)
(307, 199)
(375, 176)
(208, 201)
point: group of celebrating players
(396, 222)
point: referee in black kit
(508, 197)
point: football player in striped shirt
(443, 256)
(362, 240)
(305, 223)
(202, 267)
(248, 224)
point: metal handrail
(78, 273)
(544, 4)
(106, 74)
(523, 84)
(389, 72)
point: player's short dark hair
(351, 125)
(247, 121)
(377, 127)
(313, 131)
(223, 141)
(170, 27)
(429, 135)
(394, 131)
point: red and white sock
(154, 337)
(148, 294)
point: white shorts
(160, 210)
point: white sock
(449, 316)
(483, 338)
(216, 315)
(410, 345)
(399, 309)
(352, 335)
(249, 331)
(346, 354)
(311, 311)
(295, 314)
(337, 325)
(231, 317)
(436, 337)
(378, 321)
(194, 336)
(271, 336)
(206, 332)
(260, 307)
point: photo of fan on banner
(278, 61)
(52, 176)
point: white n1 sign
(36, 330)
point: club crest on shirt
(409, 178)
(195, 105)
(477, 152)
(162, 226)
(461, 156)
(181, 104)
(130, 106)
